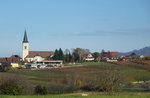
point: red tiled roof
(13, 58)
(43, 54)
(110, 54)
(84, 55)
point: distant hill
(143, 51)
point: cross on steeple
(25, 39)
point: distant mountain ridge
(143, 51)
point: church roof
(43, 54)
(25, 39)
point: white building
(47, 64)
(33, 56)
(89, 57)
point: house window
(25, 47)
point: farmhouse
(109, 55)
(88, 57)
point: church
(33, 56)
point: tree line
(75, 56)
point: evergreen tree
(70, 57)
(61, 54)
(56, 55)
(132, 54)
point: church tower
(25, 46)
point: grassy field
(95, 63)
(129, 71)
(78, 96)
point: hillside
(93, 77)
(143, 51)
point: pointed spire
(25, 39)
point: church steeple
(25, 39)
(25, 46)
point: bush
(61, 89)
(108, 81)
(10, 88)
(87, 88)
(93, 88)
(41, 90)
(78, 83)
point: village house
(13, 58)
(35, 56)
(88, 57)
(109, 56)
(131, 57)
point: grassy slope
(137, 74)
(96, 63)
(57, 75)
(35, 73)
(127, 69)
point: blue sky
(115, 25)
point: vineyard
(91, 77)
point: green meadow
(78, 96)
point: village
(55, 59)
(75, 49)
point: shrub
(93, 87)
(87, 88)
(41, 90)
(61, 89)
(78, 83)
(106, 81)
(10, 88)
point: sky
(112, 25)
